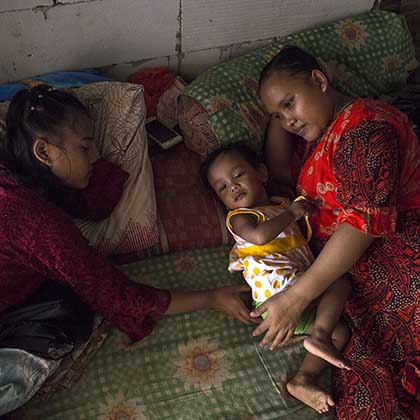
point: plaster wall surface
(122, 36)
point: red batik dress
(365, 171)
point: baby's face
(236, 182)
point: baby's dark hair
(241, 149)
(291, 59)
(37, 112)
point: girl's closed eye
(222, 188)
(289, 103)
(238, 175)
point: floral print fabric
(202, 365)
(365, 171)
(366, 56)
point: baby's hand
(302, 208)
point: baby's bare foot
(324, 348)
(305, 389)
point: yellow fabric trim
(308, 225)
(260, 216)
(278, 245)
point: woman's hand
(227, 300)
(284, 310)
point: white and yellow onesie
(271, 268)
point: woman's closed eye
(86, 144)
(238, 175)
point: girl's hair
(240, 149)
(293, 60)
(41, 112)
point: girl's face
(72, 162)
(236, 182)
(300, 101)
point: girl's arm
(247, 226)
(337, 257)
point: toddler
(271, 253)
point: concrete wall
(121, 36)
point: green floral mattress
(368, 55)
(196, 366)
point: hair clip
(32, 108)
(50, 89)
(40, 95)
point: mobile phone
(161, 134)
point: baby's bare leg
(304, 385)
(328, 335)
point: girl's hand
(302, 208)
(284, 310)
(227, 300)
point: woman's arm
(97, 201)
(225, 299)
(367, 174)
(278, 151)
(337, 257)
(48, 243)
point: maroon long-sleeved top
(39, 242)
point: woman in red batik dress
(360, 163)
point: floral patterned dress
(365, 171)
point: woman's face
(72, 161)
(300, 101)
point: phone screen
(159, 131)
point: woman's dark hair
(291, 59)
(37, 112)
(240, 149)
